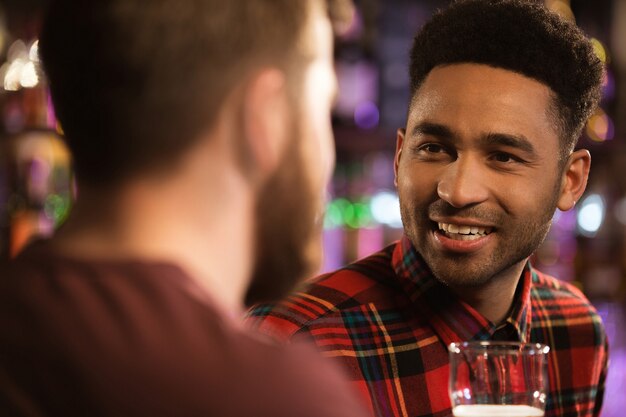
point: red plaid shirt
(388, 321)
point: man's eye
(504, 157)
(433, 148)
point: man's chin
(458, 277)
(463, 281)
(457, 270)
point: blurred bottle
(35, 166)
(36, 190)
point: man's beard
(288, 233)
(519, 239)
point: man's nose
(463, 183)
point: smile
(463, 232)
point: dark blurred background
(586, 246)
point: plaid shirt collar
(452, 319)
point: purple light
(610, 132)
(51, 119)
(334, 256)
(565, 221)
(366, 115)
(608, 86)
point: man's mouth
(463, 232)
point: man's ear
(266, 116)
(574, 180)
(396, 160)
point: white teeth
(471, 232)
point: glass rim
(499, 346)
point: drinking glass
(503, 379)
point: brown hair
(135, 83)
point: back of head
(135, 83)
(521, 36)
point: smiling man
(500, 93)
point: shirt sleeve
(602, 380)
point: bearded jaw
(515, 239)
(288, 235)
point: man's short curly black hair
(523, 37)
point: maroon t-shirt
(125, 338)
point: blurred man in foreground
(202, 142)
(500, 93)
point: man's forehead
(479, 80)
(486, 70)
(484, 99)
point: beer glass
(504, 379)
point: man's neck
(180, 222)
(494, 299)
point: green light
(56, 207)
(363, 214)
(349, 216)
(333, 217)
(344, 213)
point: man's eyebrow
(514, 141)
(443, 132)
(433, 129)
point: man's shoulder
(42, 280)
(123, 322)
(364, 281)
(548, 288)
(23, 280)
(559, 302)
